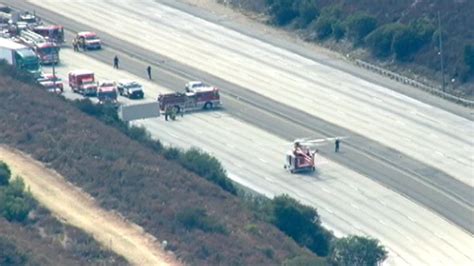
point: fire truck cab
(83, 82)
(107, 92)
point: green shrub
(302, 223)
(360, 25)
(15, 203)
(282, 11)
(307, 11)
(197, 218)
(304, 261)
(357, 251)
(405, 43)
(323, 27)
(5, 174)
(172, 153)
(338, 30)
(380, 40)
(208, 167)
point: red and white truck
(83, 82)
(107, 93)
(197, 96)
(53, 33)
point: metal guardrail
(414, 83)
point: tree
(10, 255)
(5, 174)
(357, 251)
(359, 25)
(307, 11)
(15, 203)
(323, 27)
(405, 43)
(380, 40)
(302, 223)
(282, 11)
(469, 56)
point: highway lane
(403, 124)
(348, 202)
(443, 197)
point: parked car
(130, 89)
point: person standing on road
(116, 62)
(148, 71)
(338, 142)
(75, 45)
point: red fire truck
(195, 98)
(83, 82)
(53, 33)
(48, 52)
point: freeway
(348, 202)
(411, 127)
(398, 170)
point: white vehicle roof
(128, 82)
(107, 83)
(7, 43)
(192, 84)
(203, 89)
(81, 72)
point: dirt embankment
(79, 209)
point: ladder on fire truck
(31, 38)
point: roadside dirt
(77, 208)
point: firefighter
(167, 113)
(337, 143)
(75, 45)
(148, 71)
(173, 113)
(116, 62)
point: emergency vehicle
(194, 98)
(48, 52)
(52, 33)
(88, 40)
(83, 82)
(302, 157)
(107, 92)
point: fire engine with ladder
(48, 52)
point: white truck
(20, 56)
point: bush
(302, 223)
(380, 40)
(197, 218)
(208, 167)
(469, 56)
(307, 11)
(10, 255)
(15, 203)
(323, 27)
(359, 25)
(338, 30)
(357, 251)
(8, 70)
(304, 261)
(405, 43)
(282, 11)
(5, 174)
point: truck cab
(88, 40)
(83, 82)
(107, 92)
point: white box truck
(20, 56)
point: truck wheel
(208, 106)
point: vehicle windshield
(107, 94)
(132, 85)
(49, 50)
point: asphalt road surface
(348, 202)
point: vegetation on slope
(401, 33)
(30, 235)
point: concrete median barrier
(139, 111)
